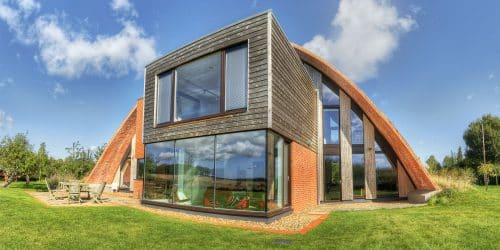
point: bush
(459, 179)
(444, 197)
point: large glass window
(164, 95)
(236, 77)
(358, 175)
(194, 184)
(387, 176)
(356, 129)
(240, 171)
(159, 173)
(200, 89)
(276, 179)
(197, 89)
(332, 177)
(328, 96)
(331, 126)
(224, 171)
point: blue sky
(72, 70)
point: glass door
(332, 177)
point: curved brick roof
(405, 154)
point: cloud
(469, 97)
(365, 34)
(491, 76)
(6, 81)
(6, 121)
(16, 16)
(124, 6)
(71, 54)
(58, 90)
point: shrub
(444, 197)
(459, 179)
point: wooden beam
(404, 183)
(345, 146)
(370, 168)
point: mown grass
(467, 220)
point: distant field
(464, 220)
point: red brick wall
(304, 177)
(137, 189)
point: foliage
(18, 158)
(16, 155)
(486, 170)
(468, 220)
(444, 197)
(459, 179)
(432, 164)
(473, 139)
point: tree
(96, 154)
(473, 138)
(433, 164)
(486, 169)
(496, 172)
(449, 161)
(16, 156)
(42, 160)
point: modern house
(243, 122)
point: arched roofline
(413, 166)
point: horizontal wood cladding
(254, 30)
(294, 112)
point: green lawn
(467, 220)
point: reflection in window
(198, 88)
(387, 176)
(277, 182)
(159, 173)
(358, 175)
(194, 183)
(224, 171)
(331, 126)
(328, 96)
(356, 129)
(236, 77)
(164, 92)
(240, 171)
(332, 177)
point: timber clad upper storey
(243, 122)
(284, 102)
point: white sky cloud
(124, 6)
(469, 97)
(16, 15)
(364, 35)
(71, 54)
(491, 76)
(6, 121)
(58, 90)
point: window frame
(222, 101)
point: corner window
(210, 85)
(226, 171)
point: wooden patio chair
(52, 192)
(74, 192)
(97, 194)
